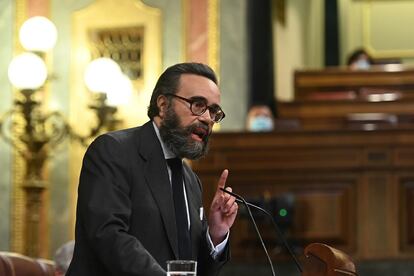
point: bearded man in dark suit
(126, 220)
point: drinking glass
(181, 268)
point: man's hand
(223, 211)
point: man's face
(183, 132)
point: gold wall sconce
(34, 132)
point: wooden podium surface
(353, 189)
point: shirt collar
(167, 152)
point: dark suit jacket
(125, 222)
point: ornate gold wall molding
(201, 32)
(184, 38)
(126, 16)
(406, 51)
(17, 210)
(125, 45)
(213, 55)
(214, 35)
(20, 200)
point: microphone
(240, 199)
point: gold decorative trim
(213, 48)
(122, 44)
(366, 14)
(94, 16)
(213, 35)
(184, 24)
(18, 206)
(213, 32)
(18, 209)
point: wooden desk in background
(393, 81)
(343, 99)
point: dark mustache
(199, 125)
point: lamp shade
(100, 74)
(38, 34)
(27, 71)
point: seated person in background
(62, 258)
(359, 60)
(260, 118)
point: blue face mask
(362, 64)
(261, 123)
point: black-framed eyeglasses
(198, 106)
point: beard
(178, 139)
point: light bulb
(38, 34)
(100, 73)
(27, 71)
(120, 91)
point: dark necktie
(183, 233)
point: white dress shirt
(215, 250)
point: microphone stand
(240, 199)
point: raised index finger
(222, 181)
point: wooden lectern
(323, 260)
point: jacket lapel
(156, 175)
